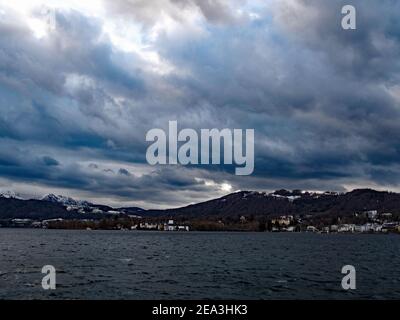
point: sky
(80, 89)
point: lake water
(196, 265)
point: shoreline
(206, 231)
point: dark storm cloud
(324, 102)
(49, 161)
(124, 172)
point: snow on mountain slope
(66, 201)
(10, 195)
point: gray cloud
(124, 172)
(49, 161)
(324, 102)
(149, 12)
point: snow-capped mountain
(10, 195)
(66, 201)
(242, 203)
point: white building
(334, 228)
(372, 214)
(347, 228)
(311, 229)
(290, 229)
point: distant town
(372, 222)
(88, 224)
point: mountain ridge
(283, 202)
(241, 203)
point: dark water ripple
(152, 265)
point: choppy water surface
(196, 265)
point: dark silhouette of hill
(281, 202)
(284, 202)
(11, 208)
